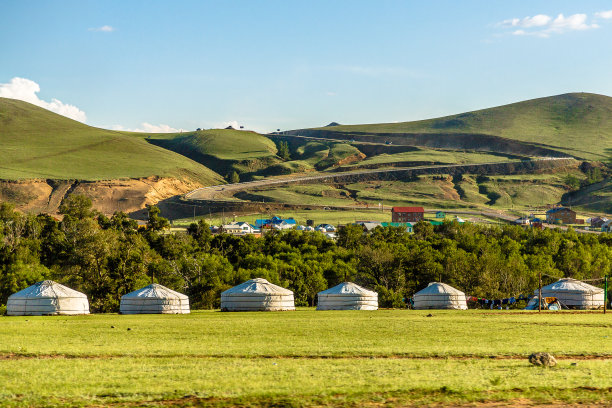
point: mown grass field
(304, 358)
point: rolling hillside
(576, 124)
(38, 144)
(222, 150)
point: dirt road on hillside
(213, 192)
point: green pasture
(431, 155)
(579, 124)
(225, 144)
(36, 143)
(319, 216)
(439, 191)
(304, 358)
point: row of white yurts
(570, 292)
(261, 295)
(51, 298)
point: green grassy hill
(36, 143)
(222, 150)
(579, 124)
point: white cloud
(26, 90)
(146, 127)
(103, 29)
(604, 14)
(528, 22)
(571, 23)
(542, 25)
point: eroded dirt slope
(107, 196)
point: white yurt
(347, 296)
(257, 295)
(154, 299)
(439, 295)
(47, 298)
(574, 294)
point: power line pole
(606, 294)
(540, 294)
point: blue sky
(162, 65)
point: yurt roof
(155, 291)
(47, 289)
(257, 286)
(571, 285)
(439, 288)
(348, 288)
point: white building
(47, 298)
(347, 296)
(257, 295)
(439, 295)
(153, 299)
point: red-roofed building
(407, 214)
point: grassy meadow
(304, 358)
(36, 143)
(431, 155)
(430, 191)
(578, 123)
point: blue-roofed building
(276, 222)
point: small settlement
(405, 217)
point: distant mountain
(576, 124)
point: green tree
(283, 150)
(156, 222)
(233, 177)
(77, 206)
(572, 181)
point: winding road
(212, 192)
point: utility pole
(540, 294)
(605, 294)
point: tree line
(108, 257)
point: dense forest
(108, 257)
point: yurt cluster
(51, 298)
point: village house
(407, 225)
(407, 214)
(598, 222)
(561, 214)
(239, 228)
(276, 223)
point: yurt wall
(257, 295)
(439, 295)
(153, 299)
(47, 298)
(347, 296)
